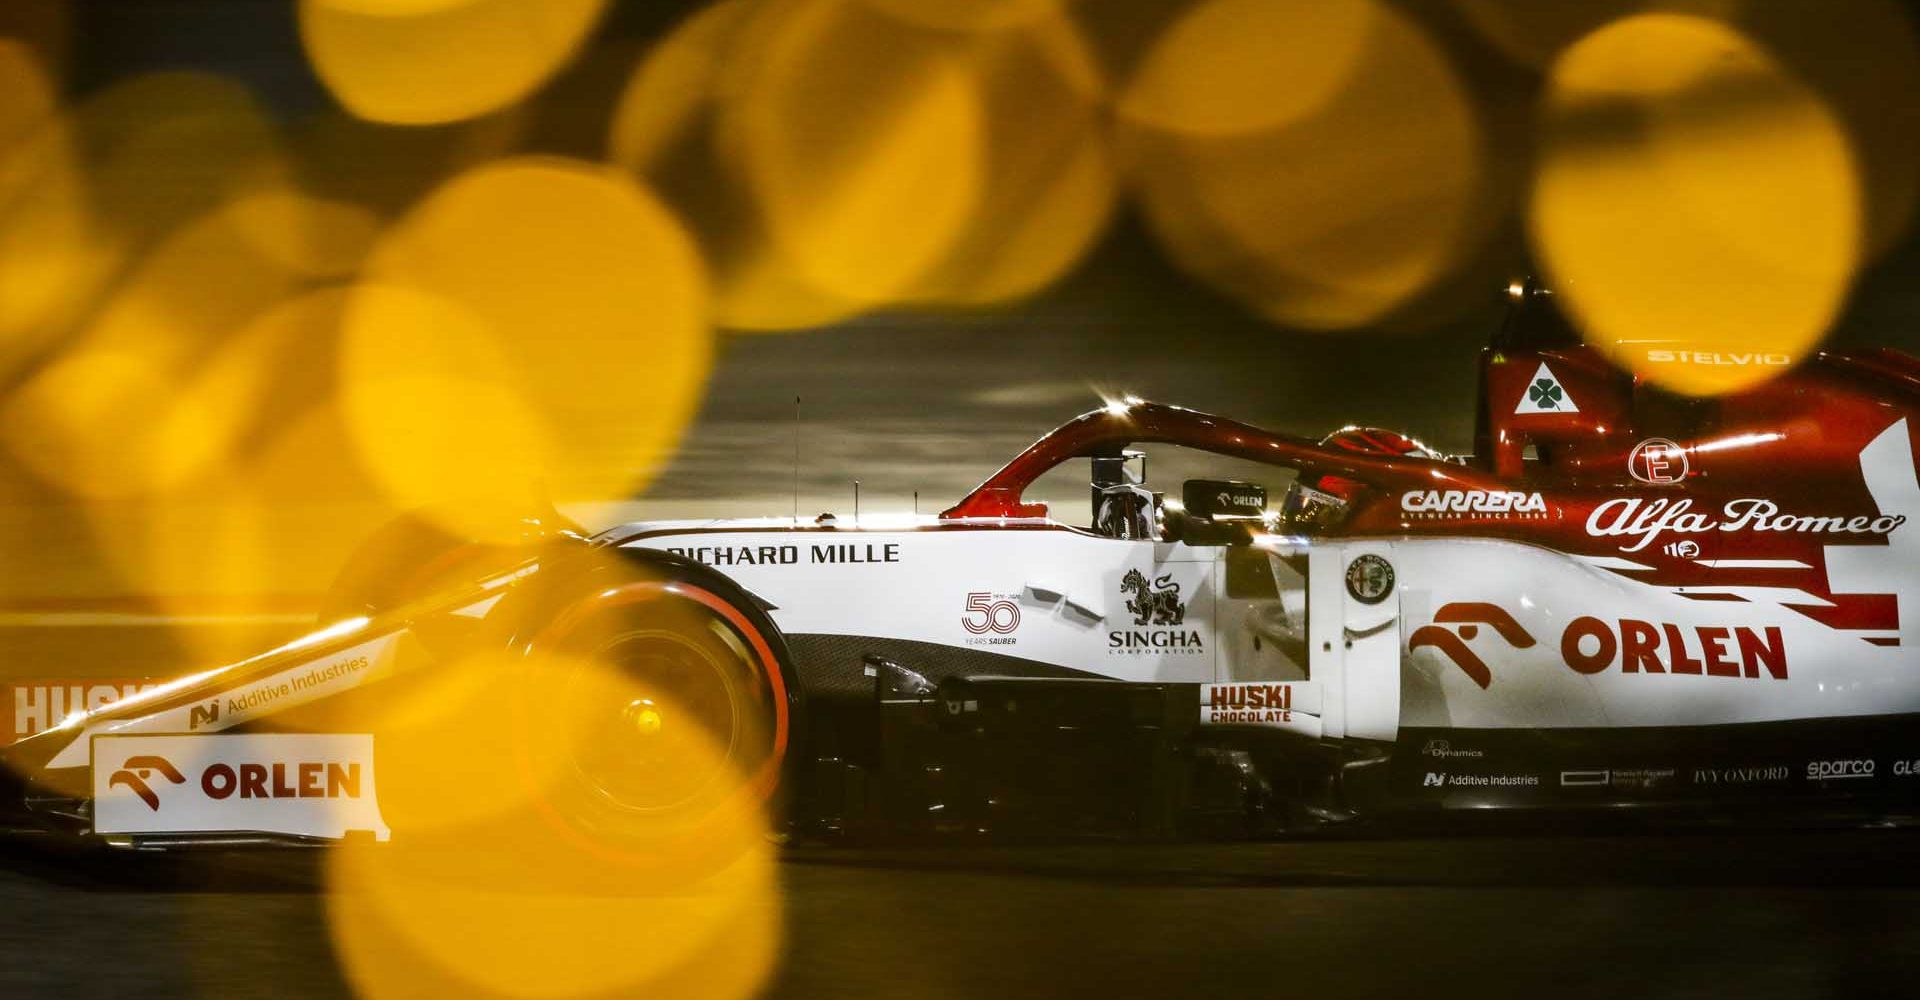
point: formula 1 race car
(1625, 597)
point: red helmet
(1369, 441)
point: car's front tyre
(661, 717)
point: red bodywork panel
(1108, 430)
(1789, 448)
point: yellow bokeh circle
(1214, 71)
(798, 136)
(122, 412)
(86, 192)
(536, 325)
(972, 16)
(663, 131)
(1049, 182)
(479, 894)
(862, 144)
(436, 410)
(1323, 191)
(1696, 205)
(421, 62)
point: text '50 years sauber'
(1622, 598)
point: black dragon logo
(1158, 604)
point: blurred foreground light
(28, 155)
(975, 15)
(26, 94)
(796, 135)
(1860, 55)
(87, 191)
(480, 893)
(436, 405)
(1862, 58)
(663, 131)
(44, 26)
(1696, 204)
(1049, 184)
(312, 237)
(421, 62)
(1234, 68)
(122, 412)
(534, 321)
(1533, 34)
(1321, 163)
(279, 495)
(862, 144)
(438, 774)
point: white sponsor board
(305, 784)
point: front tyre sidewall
(656, 725)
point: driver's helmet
(1319, 503)
(1369, 441)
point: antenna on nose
(796, 461)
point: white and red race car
(1624, 597)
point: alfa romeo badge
(1369, 579)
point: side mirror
(1222, 511)
(1224, 499)
(1128, 468)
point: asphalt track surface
(1780, 914)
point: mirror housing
(1128, 468)
(1222, 511)
(1224, 500)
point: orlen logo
(1590, 646)
(138, 769)
(312, 780)
(1820, 770)
(1468, 616)
(1444, 503)
(309, 780)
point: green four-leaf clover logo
(1545, 394)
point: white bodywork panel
(1071, 591)
(1754, 659)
